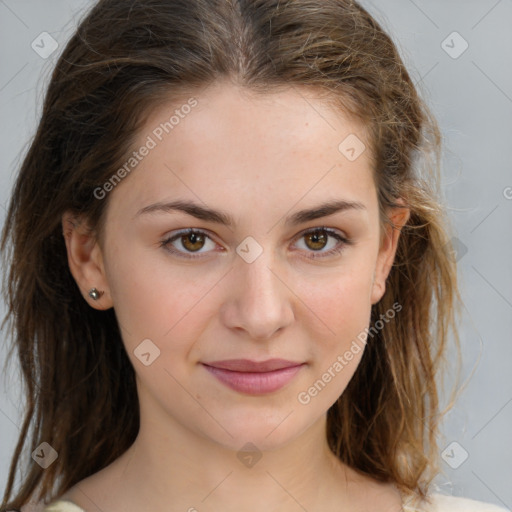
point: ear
(389, 243)
(85, 260)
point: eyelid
(175, 235)
(331, 231)
(343, 241)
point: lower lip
(254, 383)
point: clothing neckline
(406, 507)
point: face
(244, 267)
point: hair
(125, 59)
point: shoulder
(443, 503)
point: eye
(316, 239)
(191, 240)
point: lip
(253, 377)
(247, 365)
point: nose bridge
(258, 300)
(258, 277)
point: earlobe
(398, 217)
(85, 260)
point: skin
(260, 159)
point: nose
(258, 301)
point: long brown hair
(125, 58)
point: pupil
(318, 239)
(191, 239)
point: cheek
(344, 308)
(155, 300)
(342, 300)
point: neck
(179, 469)
(193, 471)
(172, 467)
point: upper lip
(247, 365)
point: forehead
(228, 144)
(292, 118)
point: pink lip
(252, 377)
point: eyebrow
(224, 218)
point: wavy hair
(127, 57)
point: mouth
(252, 377)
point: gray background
(471, 95)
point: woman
(291, 363)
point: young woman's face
(276, 284)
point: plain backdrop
(458, 52)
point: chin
(267, 430)
(256, 440)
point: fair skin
(259, 159)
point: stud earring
(95, 294)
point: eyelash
(315, 255)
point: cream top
(440, 503)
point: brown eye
(193, 241)
(316, 240)
(187, 242)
